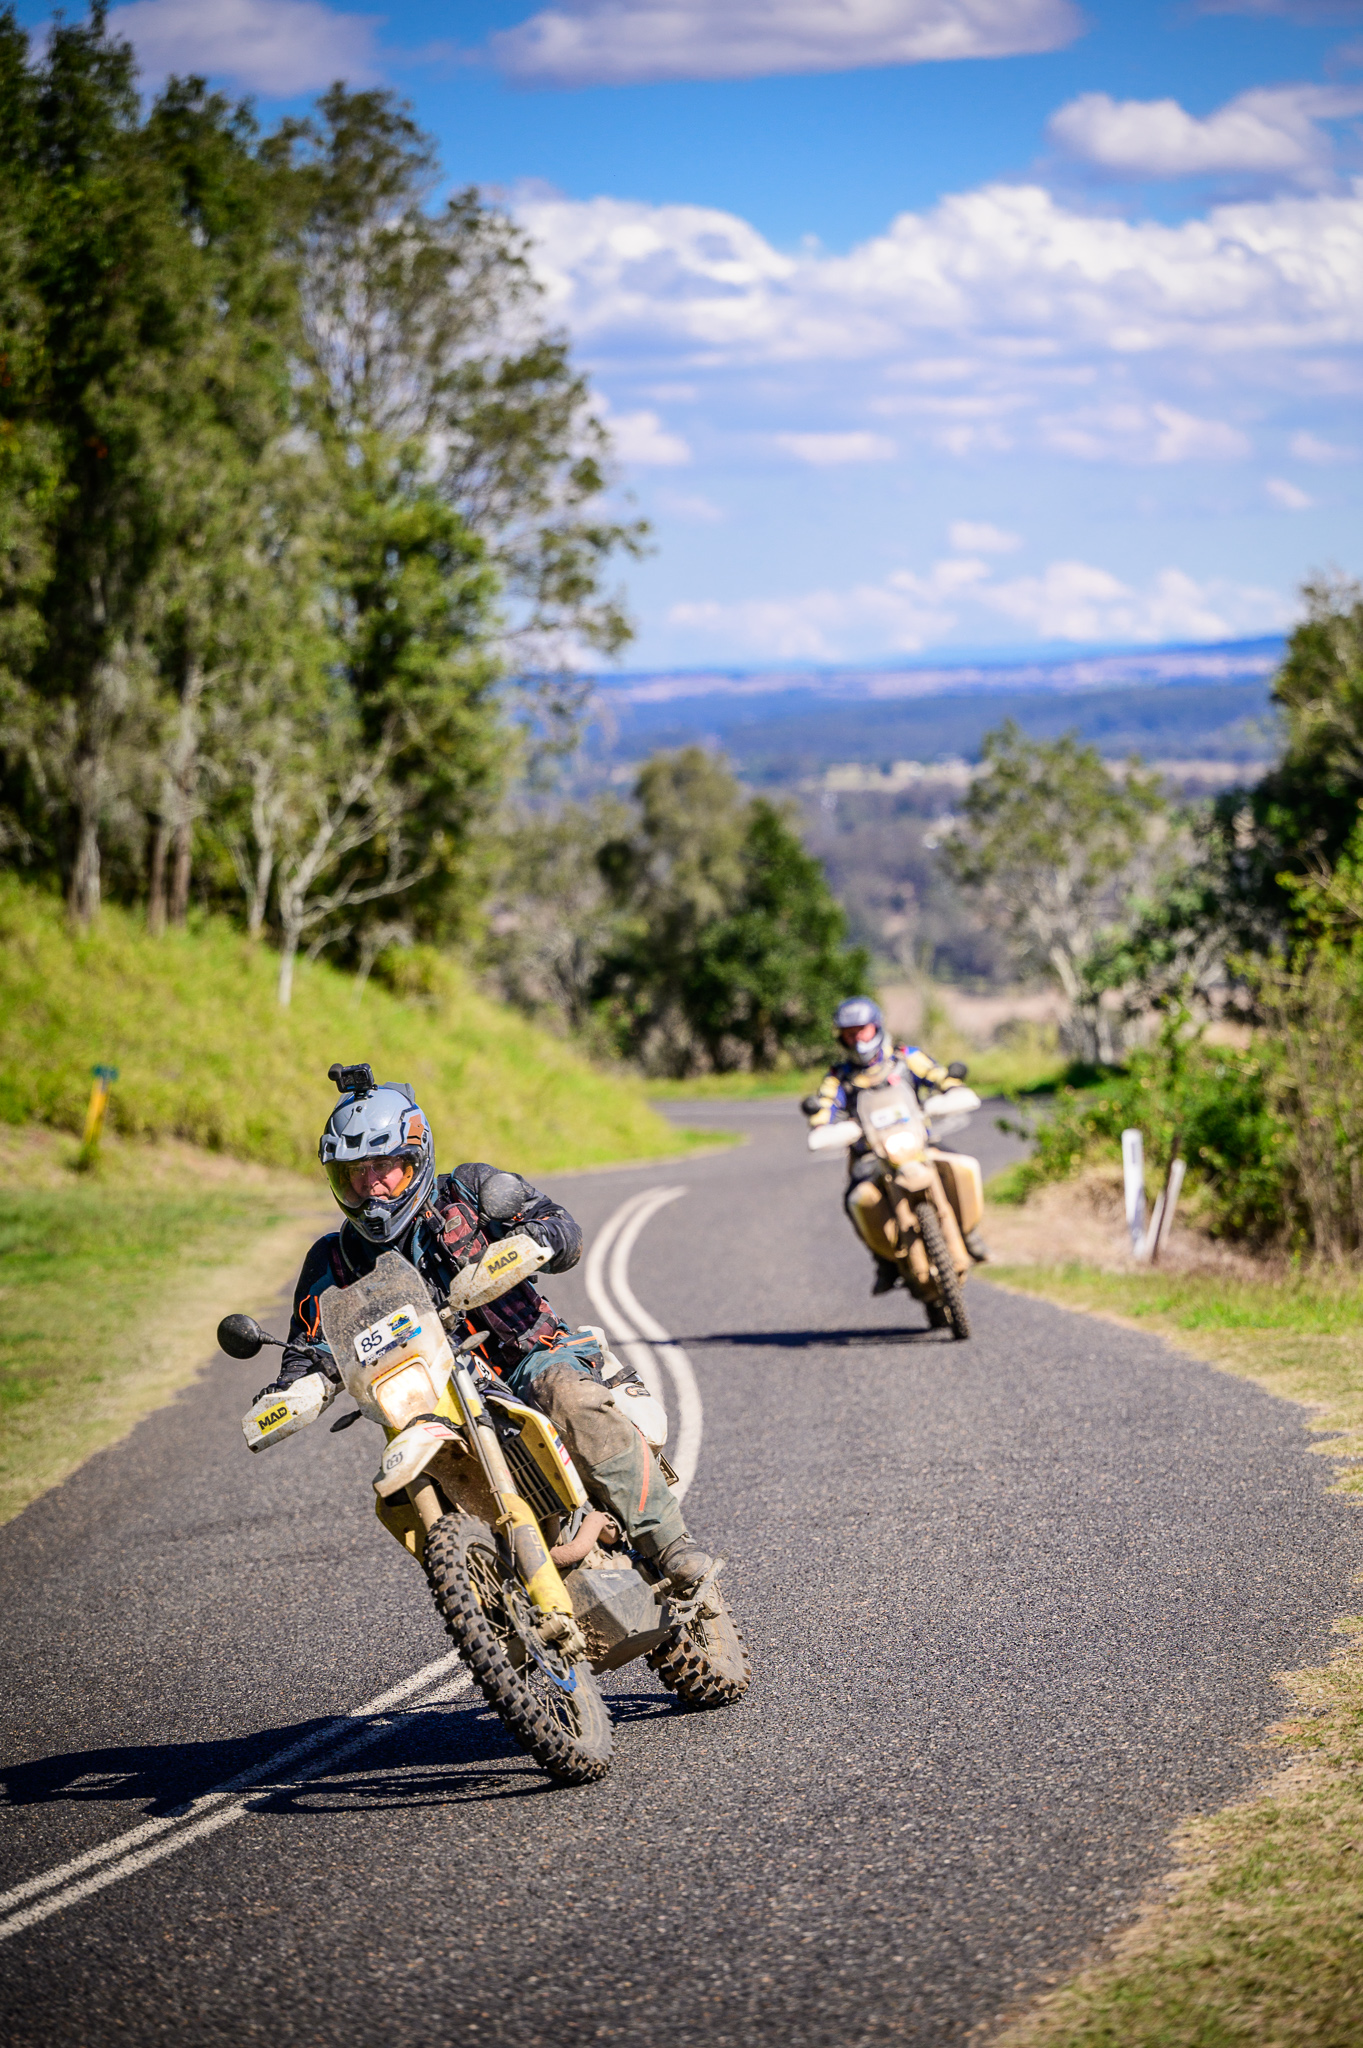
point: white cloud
(641, 439)
(978, 537)
(1075, 601)
(1070, 600)
(1310, 448)
(627, 42)
(1139, 433)
(1008, 268)
(275, 47)
(1287, 495)
(1273, 131)
(828, 451)
(693, 507)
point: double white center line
(337, 1740)
(644, 1342)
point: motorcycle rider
(379, 1157)
(875, 1061)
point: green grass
(1260, 1944)
(736, 1087)
(205, 1053)
(111, 1285)
(1001, 1070)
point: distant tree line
(1249, 911)
(687, 930)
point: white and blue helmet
(373, 1122)
(854, 1015)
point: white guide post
(1133, 1173)
(1168, 1203)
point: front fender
(410, 1452)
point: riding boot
(887, 1276)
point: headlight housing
(403, 1392)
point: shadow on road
(467, 1747)
(802, 1340)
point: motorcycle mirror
(240, 1336)
(502, 1196)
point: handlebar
(834, 1137)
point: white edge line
(617, 1329)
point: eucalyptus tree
(156, 377)
(1057, 848)
(425, 328)
(729, 950)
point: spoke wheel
(705, 1662)
(552, 1708)
(943, 1271)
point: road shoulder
(1253, 1935)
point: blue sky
(923, 325)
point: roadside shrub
(1313, 1013)
(1218, 1102)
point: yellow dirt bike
(480, 1489)
(911, 1202)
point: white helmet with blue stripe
(371, 1127)
(853, 1016)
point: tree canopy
(691, 934)
(1056, 846)
(302, 513)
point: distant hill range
(791, 725)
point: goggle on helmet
(373, 1127)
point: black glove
(559, 1235)
(957, 1071)
(811, 1104)
(273, 1388)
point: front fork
(515, 1524)
(901, 1191)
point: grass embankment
(1260, 1944)
(205, 1053)
(111, 1284)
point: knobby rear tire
(707, 1663)
(944, 1270)
(569, 1735)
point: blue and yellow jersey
(843, 1080)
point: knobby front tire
(567, 1733)
(944, 1270)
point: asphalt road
(1014, 1607)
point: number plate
(398, 1328)
(881, 1119)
